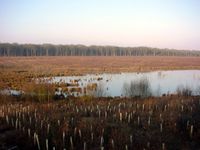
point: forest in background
(7, 49)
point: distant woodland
(7, 49)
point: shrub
(138, 88)
(184, 90)
(100, 91)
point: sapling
(47, 144)
(175, 125)
(77, 110)
(163, 146)
(149, 121)
(168, 105)
(91, 110)
(131, 139)
(119, 105)
(149, 107)
(188, 122)
(16, 123)
(129, 118)
(165, 108)
(48, 128)
(99, 113)
(75, 131)
(120, 117)
(102, 148)
(34, 138)
(148, 144)
(161, 127)
(191, 130)
(29, 132)
(138, 120)
(84, 146)
(137, 106)
(156, 107)
(37, 140)
(30, 120)
(91, 128)
(105, 114)
(102, 131)
(63, 136)
(71, 143)
(160, 116)
(3, 114)
(72, 120)
(102, 141)
(35, 115)
(112, 143)
(119, 110)
(12, 122)
(41, 124)
(58, 122)
(79, 131)
(92, 136)
(114, 108)
(7, 119)
(126, 147)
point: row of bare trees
(7, 49)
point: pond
(161, 82)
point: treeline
(7, 49)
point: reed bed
(105, 124)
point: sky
(153, 23)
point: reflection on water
(161, 82)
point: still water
(161, 82)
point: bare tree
(7, 49)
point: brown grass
(177, 115)
(81, 65)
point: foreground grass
(104, 123)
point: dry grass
(82, 65)
(101, 117)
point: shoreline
(17, 71)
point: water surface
(161, 82)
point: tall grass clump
(100, 91)
(39, 92)
(184, 90)
(138, 88)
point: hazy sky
(155, 23)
